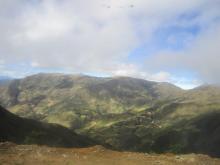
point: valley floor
(12, 154)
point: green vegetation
(121, 113)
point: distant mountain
(27, 131)
(4, 79)
(70, 99)
(121, 112)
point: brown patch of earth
(12, 154)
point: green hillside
(67, 99)
(122, 113)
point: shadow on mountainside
(26, 131)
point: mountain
(70, 99)
(27, 131)
(4, 80)
(122, 113)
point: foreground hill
(27, 131)
(122, 113)
(12, 154)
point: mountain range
(121, 113)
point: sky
(172, 41)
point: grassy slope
(121, 113)
(79, 99)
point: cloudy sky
(162, 40)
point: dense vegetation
(122, 113)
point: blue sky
(163, 40)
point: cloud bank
(99, 36)
(202, 56)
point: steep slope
(121, 112)
(151, 133)
(187, 124)
(27, 131)
(71, 99)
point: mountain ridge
(119, 111)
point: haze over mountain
(122, 113)
(4, 79)
(165, 40)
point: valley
(121, 113)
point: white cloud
(201, 57)
(45, 23)
(35, 64)
(2, 62)
(187, 84)
(161, 76)
(95, 35)
(132, 70)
